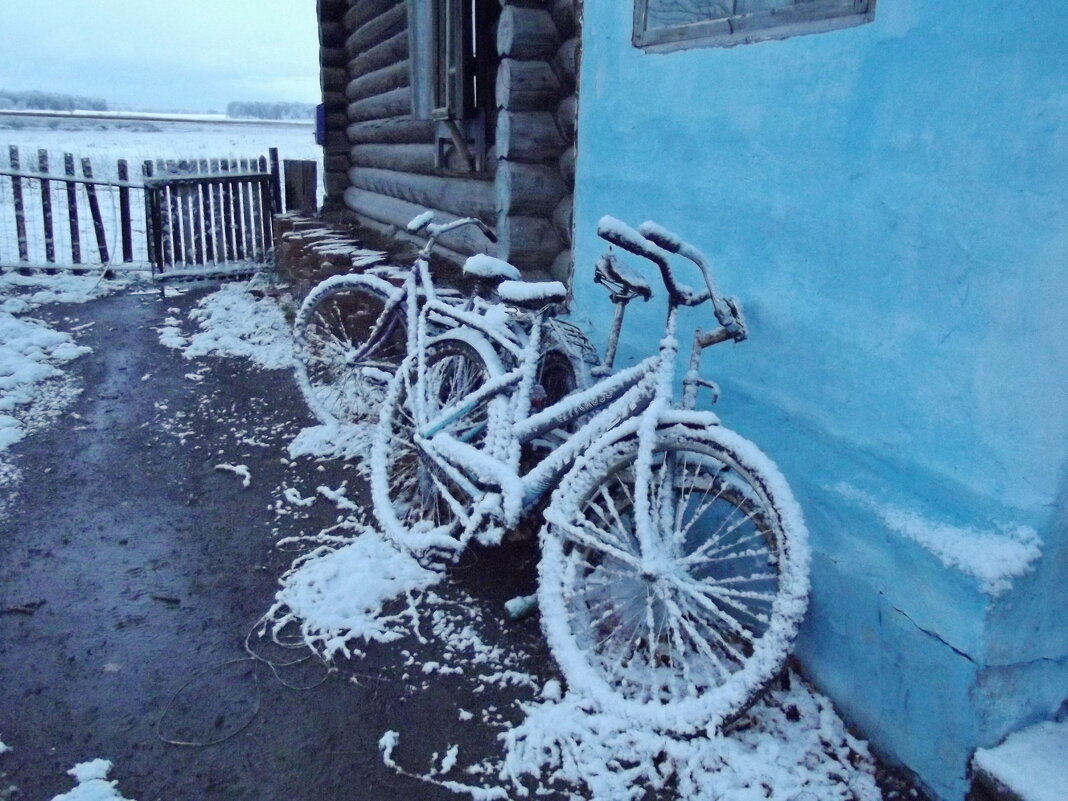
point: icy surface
(234, 322)
(1033, 763)
(993, 558)
(92, 783)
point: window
(452, 52)
(675, 24)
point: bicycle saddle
(531, 295)
(482, 266)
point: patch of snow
(339, 594)
(4, 748)
(30, 353)
(485, 266)
(23, 293)
(92, 783)
(345, 441)
(993, 558)
(239, 470)
(1033, 763)
(233, 322)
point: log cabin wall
(380, 159)
(537, 103)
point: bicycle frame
(636, 401)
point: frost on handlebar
(420, 222)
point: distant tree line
(258, 110)
(49, 101)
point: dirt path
(137, 565)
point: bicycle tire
(413, 502)
(341, 374)
(686, 638)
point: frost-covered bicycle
(352, 331)
(673, 574)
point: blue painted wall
(888, 202)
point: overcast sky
(193, 55)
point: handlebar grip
(661, 236)
(490, 235)
(619, 233)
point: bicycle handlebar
(654, 242)
(426, 220)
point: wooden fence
(180, 214)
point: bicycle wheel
(350, 340)
(684, 635)
(413, 495)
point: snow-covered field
(106, 142)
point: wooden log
(529, 243)
(337, 162)
(333, 57)
(152, 227)
(46, 206)
(360, 13)
(563, 218)
(567, 117)
(19, 203)
(565, 64)
(528, 189)
(397, 130)
(125, 223)
(333, 79)
(377, 30)
(464, 197)
(332, 34)
(417, 158)
(530, 136)
(527, 33)
(338, 121)
(336, 143)
(72, 210)
(382, 80)
(565, 16)
(396, 212)
(94, 211)
(334, 101)
(389, 52)
(390, 104)
(567, 165)
(526, 85)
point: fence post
(152, 230)
(276, 182)
(46, 208)
(267, 204)
(94, 210)
(72, 210)
(20, 209)
(301, 185)
(124, 212)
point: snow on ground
(34, 389)
(92, 783)
(1033, 763)
(993, 558)
(5, 748)
(234, 322)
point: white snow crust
(233, 322)
(4, 748)
(1033, 763)
(92, 783)
(489, 267)
(992, 558)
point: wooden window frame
(447, 87)
(819, 16)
